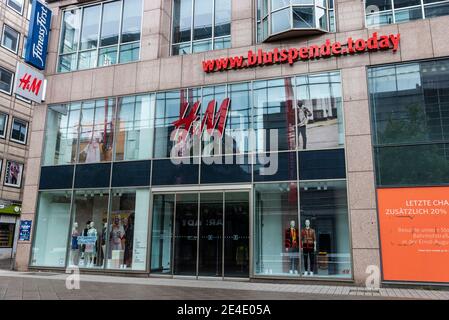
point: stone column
(243, 23)
(360, 170)
(156, 28)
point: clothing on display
(308, 245)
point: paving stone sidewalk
(41, 285)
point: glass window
(324, 235)
(162, 233)
(280, 21)
(182, 20)
(100, 29)
(88, 241)
(6, 235)
(70, 31)
(213, 34)
(408, 14)
(377, 5)
(222, 19)
(96, 135)
(436, 10)
(51, 233)
(132, 17)
(90, 27)
(319, 111)
(30, 8)
(405, 3)
(239, 117)
(110, 25)
(134, 137)
(274, 115)
(10, 38)
(127, 231)
(3, 125)
(276, 241)
(202, 21)
(61, 135)
(19, 130)
(276, 4)
(410, 114)
(24, 46)
(17, 5)
(6, 80)
(303, 17)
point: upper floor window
(6, 80)
(277, 19)
(201, 25)
(16, 5)
(19, 131)
(10, 38)
(381, 12)
(100, 35)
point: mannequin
(75, 251)
(117, 233)
(291, 246)
(90, 250)
(308, 246)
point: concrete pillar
(243, 23)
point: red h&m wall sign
(328, 49)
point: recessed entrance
(201, 234)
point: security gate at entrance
(201, 234)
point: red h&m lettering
(31, 86)
(211, 120)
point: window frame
(12, 80)
(3, 39)
(12, 129)
(192, 42)
(24, 42)
(97, 49)
(19, 182)
(22, 7)
(5, 129)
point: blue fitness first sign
(38, 33)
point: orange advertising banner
(414, 233)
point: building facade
(15, 121)
(243, 139)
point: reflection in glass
(280, 21)
(211, 235)
(236, 252)
(276, 239)
(87, 59)
(186, 234)
(96, 135)
(162, 233)
(127, 232)
(182, 20)
(319, 111)
(107, 56)
(129, 52)
(61, 135)
(303, 17)
(134, 137)
(50, 237)
(132, 16)
(90, 216)
(325, 229)
(222, 18)
(110, 23)
(274, 115)
(70, 30)
(90, 27)
(202, 22)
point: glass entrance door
(210, 234)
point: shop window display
(96, 134)
(127, 232)
(88, 236)
(276, 238)
(50, 236)
(324, 235)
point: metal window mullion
(100, 27)
(172, 260)
(198, 234)
(122, 9)
(393, 10)
(192, 26)
(81, 19)
(422, 9)
(213, 25)
(223, 236)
